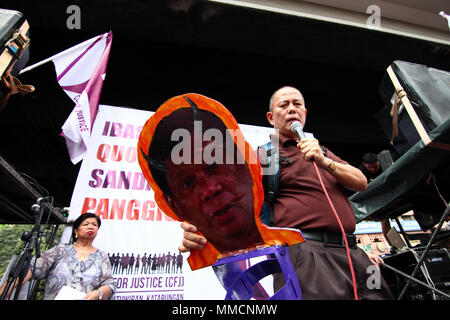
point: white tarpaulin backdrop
(110, 183)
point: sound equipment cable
(352, 272)
(297, 128)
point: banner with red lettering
(140, 239)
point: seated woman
(79, 266)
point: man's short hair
(273, 94)
(370, 158)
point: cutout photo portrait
(202, 170)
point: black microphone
(297, 128)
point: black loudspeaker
(436, 268)
(428, 92)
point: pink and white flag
(80, 72)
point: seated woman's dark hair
(80, 219)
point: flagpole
(83, 44)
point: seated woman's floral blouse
(61, 267)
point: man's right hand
(191, 239)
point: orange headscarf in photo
(209, 255)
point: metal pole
(425, 252)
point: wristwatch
(331, 167)
(100, 294)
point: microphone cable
(355, 292)
(297, 128)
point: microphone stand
(20, 268)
